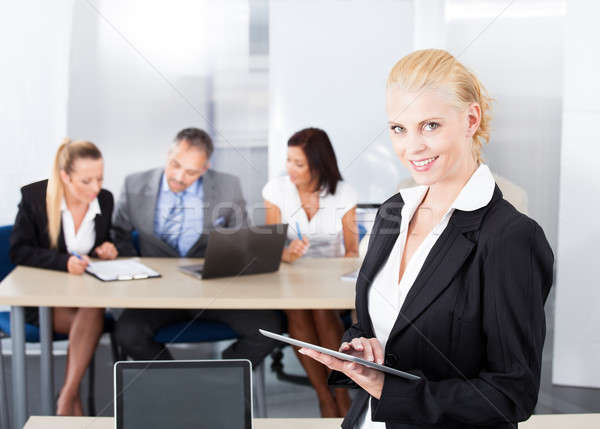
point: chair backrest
(362, 231)
(6, 265)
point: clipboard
(340, 355)
(120, 270)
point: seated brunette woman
(321, 212)
(60, 222)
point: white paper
(127, 269)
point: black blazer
(472, 325)
(29, 241)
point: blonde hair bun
(438, 69)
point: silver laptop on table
(211, 394)
(237, 252)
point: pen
(77, 255)
(298, 230)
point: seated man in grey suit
(173, 209)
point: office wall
(138, 74)
(328, 64)
(34, 45)
(517, 53)
(577, 338)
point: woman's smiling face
(430, 135)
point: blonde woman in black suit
(60, 222)
(453, 285)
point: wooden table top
(549, 421)
(307, 283)
(42, 422)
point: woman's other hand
(106, 250)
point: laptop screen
(183, 394)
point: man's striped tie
(174, 223)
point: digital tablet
(340, 355)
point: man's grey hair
(195, 137)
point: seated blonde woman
(60, 222)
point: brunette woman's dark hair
(322, 162)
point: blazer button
(391, 360)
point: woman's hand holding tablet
(368, 349)
(361, 360)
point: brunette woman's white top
(386, 295)
(324, 230)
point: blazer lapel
(385, 232)
(146, 203)
(100, 225)
(445, 259)
(443, 262)
(99, 228)
(209, 199)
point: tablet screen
(205, 394)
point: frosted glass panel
(141, 71)
(516, 53)
(333, 77)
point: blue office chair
(362, 231)
(6, 266)
(32, 333)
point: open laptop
(211, 394)
(237, 252)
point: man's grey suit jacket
(224, 207)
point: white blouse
(324, 230)
(386, 295)
(83, 241)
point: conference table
(548, 421)
(306, 284)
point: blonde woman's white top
(83, 241)
(324, 230)
(386, 295)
